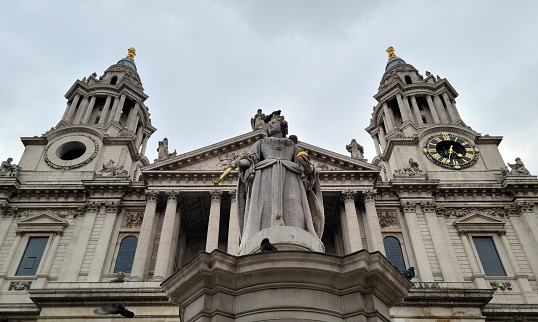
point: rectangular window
(32, 256)
(488, 256)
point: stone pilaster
(144, 239)
(12, 252)
(98, 261)
(441, 250)
(162, 264)
(353, 229)
(233, 227)
(478, 276)
(212, 241)
(409, 209)
(372, 221)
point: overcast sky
(207, 66)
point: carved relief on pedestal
(411, 171)
(19, 286)
(111, 170)
(503, 286)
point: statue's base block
(283, 238)
(286, 286)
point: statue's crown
(277, 117)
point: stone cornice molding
(468, 133)
(75, 129)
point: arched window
(394, 252)
(114, 80)
(408, 80)
(126, 254)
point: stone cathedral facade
(86, 219)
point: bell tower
(103, 131)
(418, 131)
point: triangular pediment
(42, 222)
(479, 222)
(217, 157)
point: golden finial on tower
(131, 53)
(390, 50)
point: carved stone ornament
(503, 286)
(233, 194)
(83, 161)
(387, 219)
(409, 206)
(411, 171)
(120, 277)
(462, 212)
(368, 195)
(227, 159)
(19, 286)
(525, 206)
(356, 150)
(112, 207)
(74, 213)
(428, 206)
(348, 195)
(8, 211)
(462, 233)
(173, 195)
(216, 195)
(151, 195)
(93, 207)
(20, 233)
(133, 219)
(501, 233)
(112, 170)
(9, 170)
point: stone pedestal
(286, 286)
(283, 238)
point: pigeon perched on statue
(114, 308)
(409, 273)
(266, 246)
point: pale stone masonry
(434, 191)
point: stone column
(67, 108)
(389, 118)
(212, 241)
(84, 234)
(233, 227)
(144, 145)
(119, 108)
(138, 137)
(451, 111)
(409, 211)
(382, 138)
(478, 276)
(131, 120)
(404, 108)
(416, 110)
(353, 229)
(162, 263)
(81, 110)
(144, 239)
(98, 261)
(89, 110)
(440, 109)
(345, 235)
(432, 109)
(72, 109)
(106, 109)
(110, 117)
(441, 251)
(372, 222)
(376, 144)
(14, 247)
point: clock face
(451, 151)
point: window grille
(126, 254)
(488, 256)
(32, 256)
(393, 249)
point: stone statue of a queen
(278, 194)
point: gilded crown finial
(390, 50)
(131, 53)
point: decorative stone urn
(287, 286)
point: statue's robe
(275, 190)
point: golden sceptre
(230, 168)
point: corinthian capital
(173, 195)
(369, 195)
(151, 195)
(348, 195)
(409, 206)
(216, 195)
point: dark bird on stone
(293, 138)
(409, 273)
(266, 246)
(114, 308)
(270, 116)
